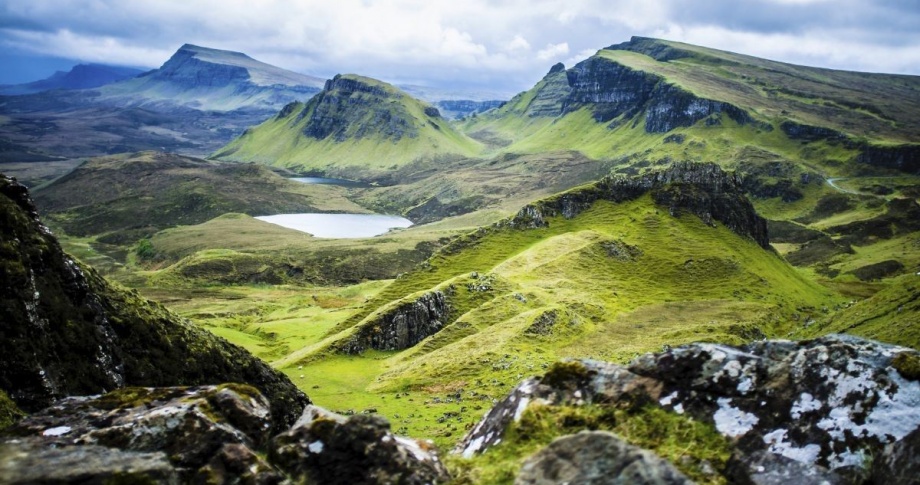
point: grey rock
(331, 449)
(597, 458)
(832, 402)
(31, 462)
(899, 462)
(402, 326)
(192, 426)
(765, 468)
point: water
(338, 225)
(329, 181)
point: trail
(831, 182)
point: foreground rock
(208, 434)
(597, 458)
(67, 331)
(324, 447)
(160, 433)
(838, 407)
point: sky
(491, 45)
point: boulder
(31, 461)
(597, 458)
(323, 447)
(207, 431)
(837, 403)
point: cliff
(67, 331)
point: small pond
(339, 225)
(329, 181)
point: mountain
(651, 98)
(457, 103)
(212, 79)
(196, 102)
(356, 127)
(81, 76)
(66, 330)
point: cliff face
(402, 327)
(64, 330)
(702, 189)
(345, 100)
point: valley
(390, 259)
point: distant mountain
(82, 76)
(196, 102)
(356, 127)
(654, 98)
(211, 79)
(458, 103)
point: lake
(329, 181)
(338, 225)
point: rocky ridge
(837, 407)
(67, 331)
(702, 189)
(210, 434)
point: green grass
(690, 445)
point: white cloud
(480, 42)
(553, 51)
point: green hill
(606, 271)
(356, 127)
(650, 98)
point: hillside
(212, 79)
(650, 98)
(356, 128)
(135, 195)
(81, 76)
(606, 271)
(67, 331)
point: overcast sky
(486, 44)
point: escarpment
(702, 189)
(66, 330)
(403, 326)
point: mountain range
(666, 233)
(81, 76)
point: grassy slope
(280, 140)
(691, 282)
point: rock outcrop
(189, 434)
(209, 434)
(838, 406)
(323, 447)
(597, 458)
(402, 326)
(345, 100)
(703, 189)
(66, 331)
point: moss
(908, 365)
(131, 397)
(244, 390)
(9, 412)
(695, 448)
(565, 375)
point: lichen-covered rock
(66, 331)
(765, 468)
(30, 462)
(597, 458)
(835, 402)
(192, 426)
(401, 327)
(702, 189)
(323, 447)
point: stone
(899, 462)
(327, 448)
(401, 326)
(29, 462)
(208, 430)
(765, 468)
(597, 458)
(836, 403)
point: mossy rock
(908, 365)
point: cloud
(553, 51)
(473, 43)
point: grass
(692, 446)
